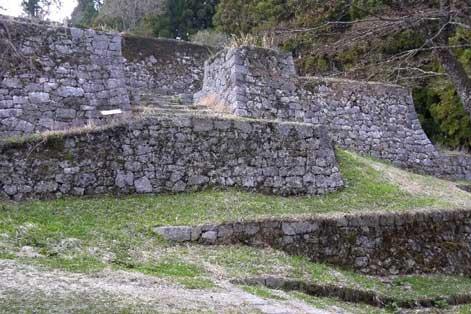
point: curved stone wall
(159, 155)
(371, 118)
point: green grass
(330, 304)
(187, 275)
(117, 225)
(365, 190)
(170, 269)
(77, 264)
(243, 262)
(262, 292)
(111, 232)
(7, 255)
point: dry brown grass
(213, 102)
(266, 41)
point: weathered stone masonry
(251, 82)
(371, 118)
(74, 74)
(63, 77)
(379, 120)
(372, 243)
(172, 155)
(58, 77)
(163, 66)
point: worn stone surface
(177, 234)
(64, 77)
(251, 82)
(172, 154)
(374, 243)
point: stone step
(166, 105)
(172, 105)
(157, 102)
(175, 106)
(178, 111)
(179, 114)
(185, 99)
(174, 97)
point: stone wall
(370, 118)
(372, 243)
(159, 155)
(163, 66)
(251, 82)
(456, 165)
(57, 77)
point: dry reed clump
(266, 41)
(214, 103)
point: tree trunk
(452, 65)
(458, 76)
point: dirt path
(25, 288)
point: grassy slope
(88, 235)
(242, 262)
(366, 190)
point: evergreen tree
(84, 13)
(31, 7)
(184, 18)
(38, 8)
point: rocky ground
(25, 288)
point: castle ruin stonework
(370, 118)
(278, 137)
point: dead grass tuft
(214, 103)
(266, 41)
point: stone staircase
(168, 105)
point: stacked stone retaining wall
(54, 77)
(251, 82)
(167, 155)
(373, 243)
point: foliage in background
(125, 15)
(183, 18)
(38, 8)
(442, 116)
(241, 16)
(439, 106)
(84, 13)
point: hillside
(106, 248)
(256, 169)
